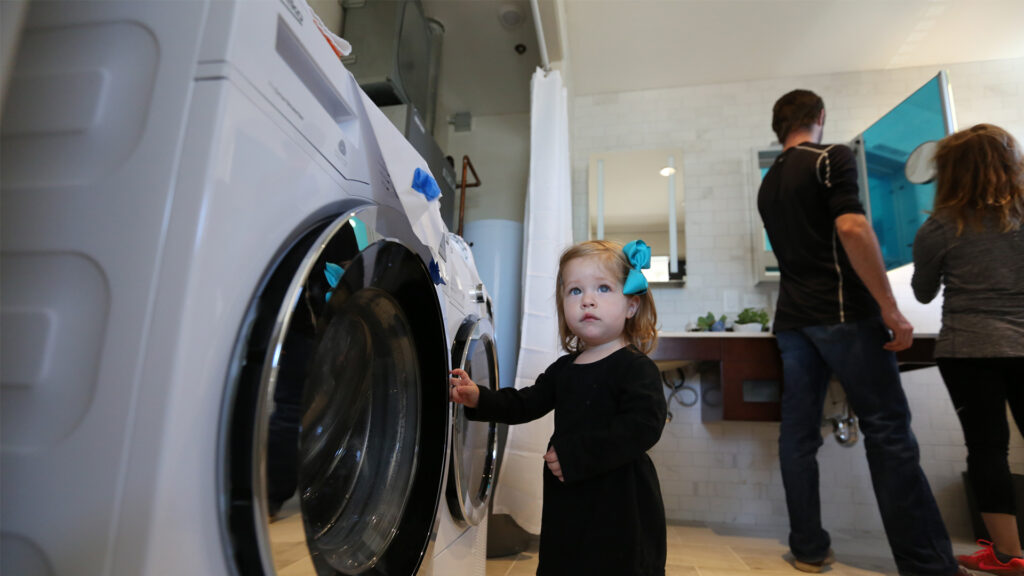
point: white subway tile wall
(728, 471)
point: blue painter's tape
(435, 272)
(425, 184)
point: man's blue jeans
(870, 377)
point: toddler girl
(603, 513)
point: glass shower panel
(897, 207)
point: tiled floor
(288, 543)
(693, 550)
(729, 551)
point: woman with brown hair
(973, 244)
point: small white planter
(752, 327)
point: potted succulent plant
(751, 320)
(710, 324)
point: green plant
(704, 323)
(752, 316)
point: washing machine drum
(338, 422)
(474, 444)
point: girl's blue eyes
(601, 288)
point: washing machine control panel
(297, 72)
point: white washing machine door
(338, 399)
(474, 444)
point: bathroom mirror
(893, 161)
(639, 194)
(766, 265)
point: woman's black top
(607, 517)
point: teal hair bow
(333, 273)
(639, 255)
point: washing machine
(461, 526)
(461, 546)
(223, 350)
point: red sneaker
(986, 561)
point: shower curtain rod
(540, 36)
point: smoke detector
(510, 15)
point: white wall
(728, 471)
(718, 126)
(499, 148)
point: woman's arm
(929, 254)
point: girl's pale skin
(595, 311)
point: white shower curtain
(547, 231)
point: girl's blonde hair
(980, 175)
(641, 330)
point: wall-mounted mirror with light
(766, 265)
(639, 194)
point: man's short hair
(795, 110)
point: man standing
(836, 315)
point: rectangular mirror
(766, 265)
(639, 194)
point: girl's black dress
(607, 518)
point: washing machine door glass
(359, 425)
(336, 448)
(474, 444)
